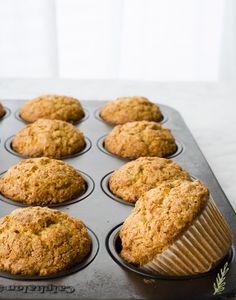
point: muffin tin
(104, 275)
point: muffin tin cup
(114, 247)
(89, 189)
(85, 117)
(76, 268)
(8, 147)
(6, 114)
(100, 145)
(198, 249)
(98, 117)
(106, 190)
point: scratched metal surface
(104, 278)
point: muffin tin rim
(90, 184)
(8, 147)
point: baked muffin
(139, 176)
(175, 229)
(143, 138)
(51, 138)
(52, 107)
(2, 110)
(42, 181)
(41, 241)
(128, 109)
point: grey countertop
(209, 109)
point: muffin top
(128, 109)
(159, 217)
(139, 176)
(51, 138)
(52, 107)
(137, 139)
(41, 241)
(2, 111)
(41, 181)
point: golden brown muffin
(128, 109)
(139, 176)
(175, 229)
(51, 138)
(2, 110)
(41, 241)
(42, 181)
(137, 139)
(52, 107)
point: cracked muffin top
(139, 176)
(159, 217)
(128, 109)
(41, 241)
(42, 181)
(137, 139)
(51, 138)
(2, 111)
(52, 107)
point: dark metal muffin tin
(104, 275)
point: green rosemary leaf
(220, 283)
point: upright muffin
(128, 109)
(51, 138)
(175, 229)
(42, 181)
(41, 241)
(2, 110)
(137, 139)
(52, 107)
(135, 178)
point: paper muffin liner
(201, 247)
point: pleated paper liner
(198, 249)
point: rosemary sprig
(220, 283)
